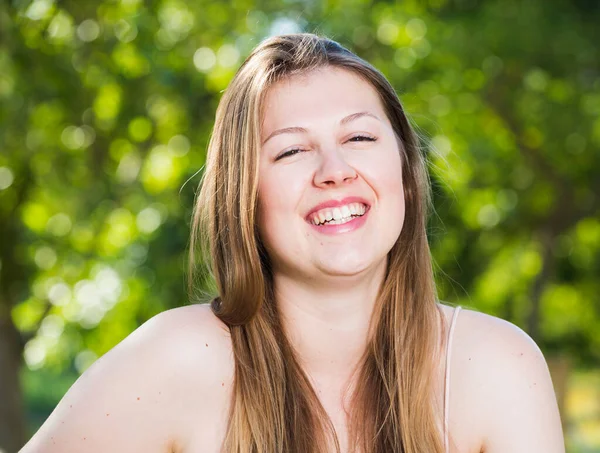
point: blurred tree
(105, 112)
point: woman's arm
(515, 395)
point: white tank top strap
(447, 380)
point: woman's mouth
(340, 222)
(338, 215)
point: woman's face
(328, 152)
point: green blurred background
(105, 113)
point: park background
(106, 108)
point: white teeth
(338, 215)
(357, 208)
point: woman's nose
(333, 169)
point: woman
(326, 335)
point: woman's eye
(362, 138)
(291, 152)
(355, 139)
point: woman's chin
(346, 266)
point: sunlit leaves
(82, 238)
(129, 167)
(88, 30)
(130, 61)
(28, 315)
(587, 233)
(162, 170)
(6, 178)
(39, 9)
(140, 129)
(583, 408)
(388, 32)
(7, 76)
(60, 29)
(106, 110)
(565, 310)
(45, 257)
(176, 21)
(108, 103)
(204, 59)
(75, 138)
(117, 232)
(148, 220)
(35, 216)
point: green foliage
(106, 109)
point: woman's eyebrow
(299, 130)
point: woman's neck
(327, 322)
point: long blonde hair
(274, 408)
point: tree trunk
(545, 275)
(560, 370)
(13, 425)
(13, 429)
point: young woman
(326, 334)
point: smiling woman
(325, 333)
(313, 207)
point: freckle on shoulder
(199, 333)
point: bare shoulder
(196, 342)
(145, 390)
(501, 389)
(195, 331)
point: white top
(447, 380)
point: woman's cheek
(389, 167)
(280, 192)
(382, 173)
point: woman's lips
(337, 203)
(347, 227)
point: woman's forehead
(321, 93)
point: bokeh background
(106, 108)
